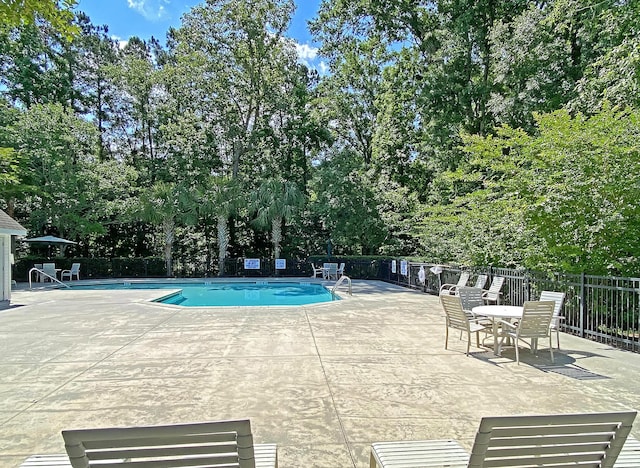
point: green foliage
(561, 200)
(438, 131)
(14, 13)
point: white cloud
(152, 10)
(306, 52)
(308, 56)
(121, 43)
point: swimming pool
(236, 293)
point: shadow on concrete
(564, 361)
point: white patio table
(497, 313)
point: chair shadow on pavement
(565, 361)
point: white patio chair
(74, 271)
(50, 270)
(556, 440)
(450, 288)
(493, 293)
(534, 324)
(558, 298)
(39, 277)
(340, 270)
(330, 271)
(481, 281)
(316, 271)
(457, 319)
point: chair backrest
(75, 268)
(558, 440)
(464, 278)
(49, 269)
(455, 316)
(341, 268)
(332, 267)
(494, 289)
(481, 280)
(215, 444)
(536, 318)
(558, 298)
(470, 297)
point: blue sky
(146, 18)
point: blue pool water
(261, 293)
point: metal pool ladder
(341, 280)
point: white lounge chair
(450, 288)
(535, 324)
(457, 318)
(557, 440)
(211, 444)
(558, 298)
(74, 271)
(629, 455)
(214, 444)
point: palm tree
(220, 198)
(275, 202)
(165, 204)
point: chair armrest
(509, 324)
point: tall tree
(166, 205)
(273, 203)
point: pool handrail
(42, 273)
(341, 280)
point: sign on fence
(251, 263)
(281, 264)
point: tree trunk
(168, 227)
(276, 236)
(223, 243)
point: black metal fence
(601, 308)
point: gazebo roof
(10, 226)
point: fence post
(583, 304)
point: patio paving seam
(331, 394)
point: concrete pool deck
(321, 381)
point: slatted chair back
(558, 299)
(331, 270)
(481, 280)
(213, 444)
(470, 297)
(562, 440)
(536, 318)
(455, 316)
(493, 293)
(464, 278)
(450, 288)
(50, 270)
